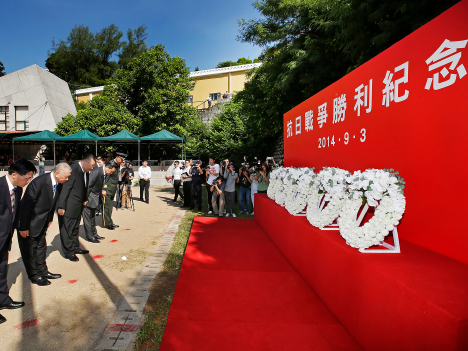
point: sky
(202, 33)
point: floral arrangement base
(333, 226)
(395, 248)
(303, 213)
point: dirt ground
(72, 312)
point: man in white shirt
(187, 182)
(212, 172)
(144, 172)
(176, 178)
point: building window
(215, 96)
(3, 117)
(190, 99)
(21, 117)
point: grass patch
(162, 289)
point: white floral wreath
(298, 194)
(330, 186)
(382, 189)
(286, 183)
(276, 181)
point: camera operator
(253, 187)
(127, 175)
(244, 189)
(218, 192)
(263, 177)
(176, 178)
(187, 182)
(197, 175)
(230, 190)
(224, 164)
(212, 171)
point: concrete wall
(47, 97)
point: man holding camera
(244, 189)
(197, 174)
(230, 190)
(187, 183)
(127, 177)
(218, 191)
(212, 171)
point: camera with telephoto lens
(127, 172)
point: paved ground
(72, 312)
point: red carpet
(237, 292)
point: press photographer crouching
(217, 189)
(127, 175)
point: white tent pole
(54, 153)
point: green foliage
(134, 46)
(197, 69)
(2, 69)
(241, 61)
(154, 88)
(310, 44)
(84, 58)
(102, 116)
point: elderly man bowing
(35, 216)
(71, 201)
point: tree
(197, 69)
(2, 69)
(310, 44)
(134, 46)
(240, 61)
(85, 58)
(102, 116)
(154, 88)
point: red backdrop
(422, 132)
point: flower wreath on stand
(298, 194)
(281, 191)
(276, 180)
(330, 186)
(382, 189)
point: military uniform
(110, 187)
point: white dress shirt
(176, 173)
(52, 178)
(144, 172)
(189, 177)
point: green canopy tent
(163, 136)
(124, 136)
(84, 136)
(44, 136)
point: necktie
(55, 187)
(12, 198)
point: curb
(122, 330)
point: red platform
(237, 292)
(415, 300)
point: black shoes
(93, 240)
(99, 237)
(52, 276)
(81, 252)
(42, 281)
(73, 258)
(141, 199)
(2, 319)
(12, 305)
(174, 200)
(115, 225)
(110, 227)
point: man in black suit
(35, 216)
(111, 184)
(95, 190)
(70, 207)
(19, 175)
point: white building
(33, 99)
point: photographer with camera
(187, 182)
(244, 189)
(127, 175)
(263, 177)
(212, 171)
(176, 178)
(253, 187)
(218, 192)
(197, 174)
(230, 190)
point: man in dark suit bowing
(95, 190)
(19, 175)
(71, 201)
(35, 216)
